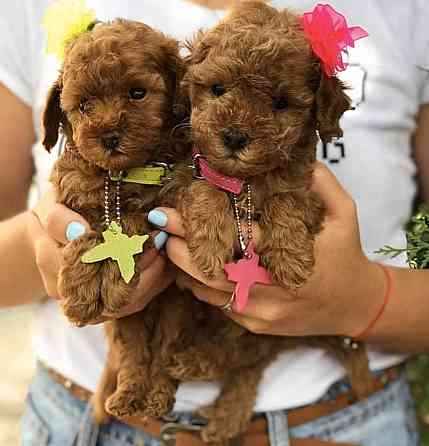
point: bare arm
(407, 315)
(16, 166)
(19, 278)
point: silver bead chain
(107, 220)
(244, 241)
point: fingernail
(74, 230)
(160, 240)
(157, 218)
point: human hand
(52, 225)
(341, 297)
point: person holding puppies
(344, 296)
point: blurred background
(17, 366)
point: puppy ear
(175, 70)
(173, 65)
(52, 116)
(198, 48)
(331, 103)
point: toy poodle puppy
(259, 100)
(113, 101)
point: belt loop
(88, 431)
(278, 428)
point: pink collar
(229, 184)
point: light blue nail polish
(160, 240)
(75, 230)
(157, 218)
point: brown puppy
(114, 103)
(259, 99)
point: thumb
(60, 222)
(325, 184)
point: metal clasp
(168, 169)
(117, 175)
(196, 171)
(169, 431)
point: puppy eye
(280, 103)
(137, 93)
(218, 90)
(83, 106)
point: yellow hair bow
(65, 20)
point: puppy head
(258, 93)
(115, 95)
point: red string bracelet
(389, 286)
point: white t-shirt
(373, 161)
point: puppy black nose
(110, 142)
(234, 139)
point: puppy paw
(126, 402)
(221, 427)
(209, 256)
(79, 284)
(287, 270)
(81, 314)
(182, 366)
(210, 227)
(207, 412)
(115, 291)
(160, 399)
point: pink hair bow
(330, 36)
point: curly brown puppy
(114, 103)
(259, 99)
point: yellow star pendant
(118, 247)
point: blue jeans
(55, 418)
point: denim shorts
(53, 417)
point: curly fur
(91, 100)
(258, 55)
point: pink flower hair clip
(330, 36)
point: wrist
(32, 225)
(368, 295)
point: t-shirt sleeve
(424, 97)
(16, 49)
(422, 46)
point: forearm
(20, 280)
(404, 324)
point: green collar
(153, 174)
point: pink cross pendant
(245, 273)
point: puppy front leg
(131, 339)
(115, 291)
(289, 224)
(106, 386)
(209, 225)
(79, 283)
(230, 415)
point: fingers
(264, 310)
(48, 259)
(168, 220)
(265, 303)
(60, 222)
(153, 280)
(212, 296)
(149, 259)
(336, 199)
(179, 254)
